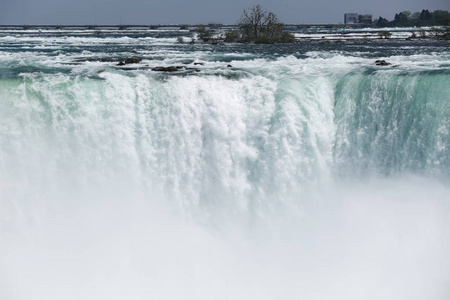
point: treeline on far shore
(258, 26)
(419, 19)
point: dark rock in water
(199, 64)
(229, 66)
(134, 69)
(133, 60)
(168, 69)
(175, 69)
(130, 60)
(382, 63)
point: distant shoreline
(318, 35)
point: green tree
(203, 33)
(233, 36)
(407, 13)
(401, 19)
(440, 18)
(384, 34)
(382, 22)
(425, 18)
(415, 16)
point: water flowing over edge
(340, 172)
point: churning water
(255, 172)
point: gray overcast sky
(198, 11)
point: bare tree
(258, 25)
(258, 21)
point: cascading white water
(391, 123)
(205, 141)
(314, 178)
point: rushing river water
(300, 171)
